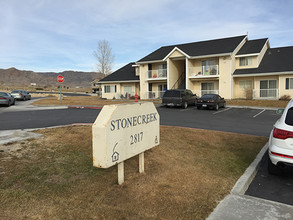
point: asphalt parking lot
(231, 119)
(271, 187)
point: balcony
(204, 71)
(160, 74)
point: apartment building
(233, 67)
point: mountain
(15, 77)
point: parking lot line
(183, 110)
(226, 109)
(258, 113)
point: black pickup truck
(179, 97)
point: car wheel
(272, 168)
(24, 98)
(217, 107)
(8, 104)
(13, 102)
(224, 106)
(184, 105)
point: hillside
(15, 77)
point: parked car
(21, 95)
(178, 97)
(6, 99)
(281, 142)
(213, 101)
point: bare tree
(104, 57)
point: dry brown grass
(258, 103)
(85, 101)
(185, 177)
(96, 101)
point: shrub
(285, 98)
(248, 94)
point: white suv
(281, 142)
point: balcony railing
(157, 74)
(155, 94)
(204, 71)
(265, 93)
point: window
(207, 88)
(245, 84)
(208, 62)
(245, 61)
(289, 83)
(127, 89)
(110, 89)
(162, 70)
(268, 88)
(289, 117)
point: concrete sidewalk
(239, 206)
(16, 135)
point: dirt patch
(185, 176)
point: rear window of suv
(289, 117)
(172, 93)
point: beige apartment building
(233, 67)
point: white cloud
(63, 34)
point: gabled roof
(252, 47)
(125, 73)
(274, 60)
(201, 48)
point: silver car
(21, 95)
(6, 99)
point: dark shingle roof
(274, 60)
(126, 73)
(202, 48)
(252, 46)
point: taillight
(2, 98)
(199, 100)
(282, 134)
(282, 155)
(20, 93)
(211, 101)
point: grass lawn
(85, 101)
(185, 176)
(95, 101)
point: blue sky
(58, 35)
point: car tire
(216, 107)
(24, 99)
(8, 103)
(272, 168)
(184, 105)
(224, 106)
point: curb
(244, 181)
(85, 107)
